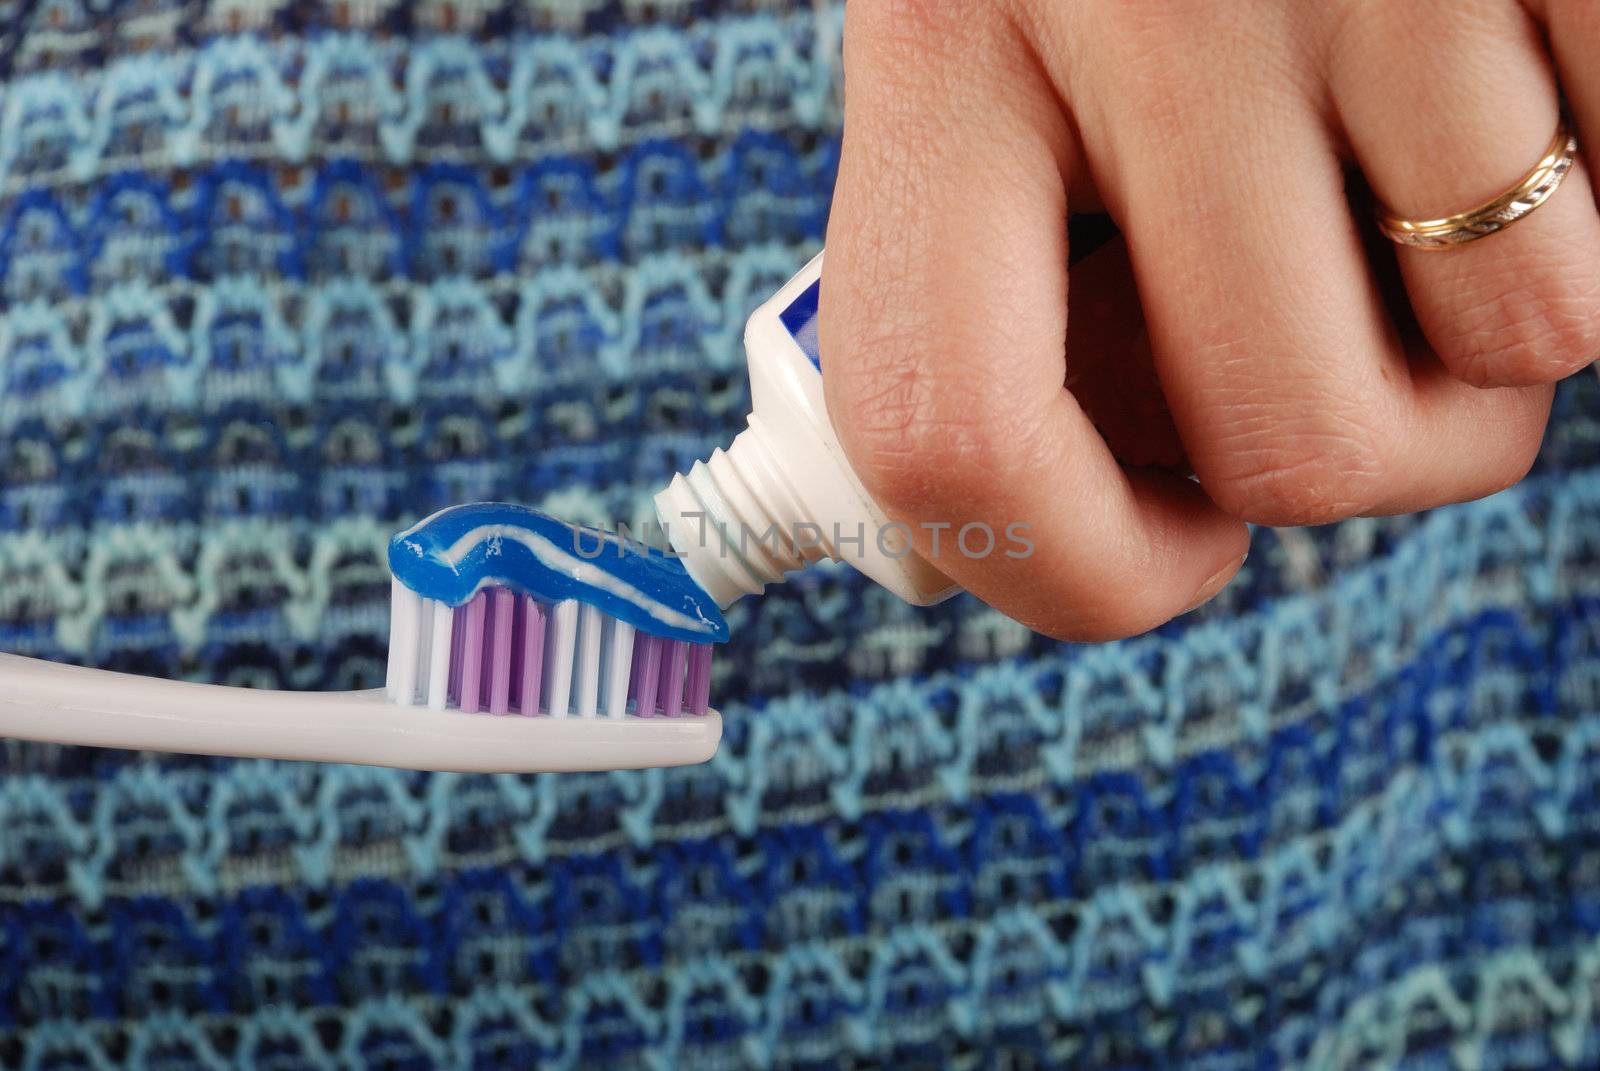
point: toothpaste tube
(783, 494)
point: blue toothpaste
(452, 555)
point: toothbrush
(487, 600)
(514, 647)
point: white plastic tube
(783, 494)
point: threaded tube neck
(732, 519)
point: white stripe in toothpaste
(560, 561)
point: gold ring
(1516, 203)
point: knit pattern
(277, 279)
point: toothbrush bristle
(645, 695)
(529, 681)
(503, 603)
(506, 653)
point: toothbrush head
(506, 610)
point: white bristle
(561, 641)
(405, 617)
(396, 590)
(419, 686)
(586, 663)
(439, 655)
(413, 641)
(424, 634)
(618, 663)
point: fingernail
(1218, 581)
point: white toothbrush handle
(72, 705)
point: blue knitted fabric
(278, 278)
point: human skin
(1312, 371)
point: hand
(1220, 135)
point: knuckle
(1311, 472)
(922, 446)
(1524, 335)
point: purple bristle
(647, 655)
(453, 689)
(698, 688)
(672, 678)
(501, 602)
(472, 653)
(532, 654)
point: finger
(1295, 397)
(943, 318)
(1573, 29)
(1447, 105)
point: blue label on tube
(800, 319)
